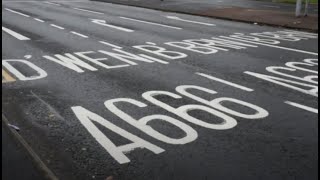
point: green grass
(294, 1)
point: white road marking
(16, 12)
(310, 109)
(195, 22)
(40, 1)
(59, 27)
(109, 44)
(269, 45)
(38, 20)
(104, 23)
(225, 82)
(78, 34)
(271, 6)
(51, 3)
(15, 34)
(85, 10)
(147, 22)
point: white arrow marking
(185, 20)
(15, 34)
(104, 23)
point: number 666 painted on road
(213, 107)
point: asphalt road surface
(109, 91)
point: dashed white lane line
(269, 6)
(15, 34)
(104, 23)
(225, 82)
(185, 20)
(16, 12)
(109, 44)
(56, 26)
(79, 34)
(310, 109)
(152, 23)
(40, 20)
(85, 10)
(51, 3)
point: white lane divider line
(85, 10)
(185, 20)
(104, 23)
(16, 12)
(40, 20)
(269, 45)
(15, 34)
(270, 6)
(78, 34)
(56, 26)
(109, 44)
(225, 82)
(152, 23)
(310, 109)
(51, 3)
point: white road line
(15, 34)
(269, 45)
(27, 1)
(104, 23)
(109, 44)
(56, 26)
(85, 10)
(16, 12)
(51, 3)
(301, 32)
(157, 24)
(195, 22)
(225, 82)
(310, 109)
(271, 6)
(38, 20)
(78, 34)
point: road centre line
(104, 23)
(78, 34)
(109, 44)
(16, 12)
(269, 45)
(271, 6)
(195, 22)
(39, 20)
(55, 4)
(85, 10)
(39, 1)
(300, 106)
(225, 82)
(15, 34)
(59, 27)
(147, 22)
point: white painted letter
(118, 153)
(141, 124)
(227, 121)
(40, 72)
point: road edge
(34, 156)
(213, 17)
